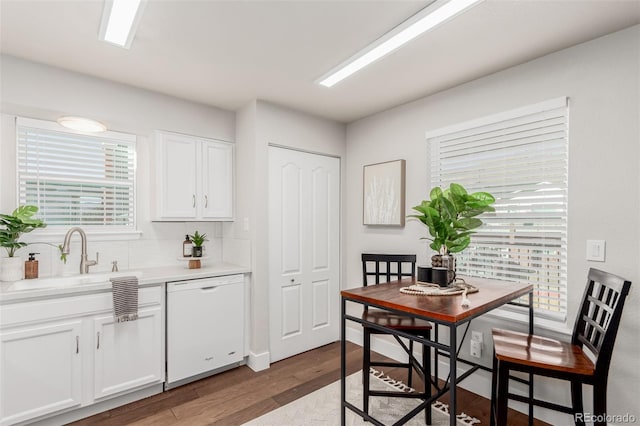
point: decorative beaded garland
(430, 289)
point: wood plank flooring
(239, 395)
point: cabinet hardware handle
(194, 200)
(206, 201)
(208, 358)
(293, 280)
(98, 345)
(209, 288)
(77, 344)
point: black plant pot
(197, 251)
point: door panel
(320, 218)
(304, 251)
(291, 192)
(320, 304)
(291, 310)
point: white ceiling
(227, 53)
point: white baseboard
(478, 383)
(258, 362)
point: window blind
(77, 179)
(521, 157)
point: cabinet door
(127, 354)
(40, 370)
(176, 172)
(217, 180)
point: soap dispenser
(187, 247)
(31, 267)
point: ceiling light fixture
(120, 19)
(428, 18)
(82, 124)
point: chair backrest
(388, 266)
(599, 316)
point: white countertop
(146, 277)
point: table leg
(343, 362)
(453, 355)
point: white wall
(39, 91)
(601, 78)
(259, 124)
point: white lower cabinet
(68, 352)
(40, 370)
(126, 353)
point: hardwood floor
(239, 395)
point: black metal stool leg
(426, 368)
(494, 390)
(502, 399)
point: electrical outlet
(476, 349)
(477, 336)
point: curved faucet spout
(84, 261)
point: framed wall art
(383, 193)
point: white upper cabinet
(193, 177)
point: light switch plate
(596, 250)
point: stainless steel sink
(70, 281)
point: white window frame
(544, 124)
(98, 232)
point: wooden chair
(595, 330)
(381, 266)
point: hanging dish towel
(125, 298)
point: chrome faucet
(84, 261)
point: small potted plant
(450, 216)
(198, 239)
(19, 222)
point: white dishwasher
(205, 327)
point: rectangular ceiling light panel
(120, 20)
(425, 20)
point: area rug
(322, 407)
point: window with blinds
(77, 179)
(521, 157)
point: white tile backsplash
(141, 253)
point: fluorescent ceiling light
(428, 18)
(120, 20)
(82, 124)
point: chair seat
(541, 352)
(395, 321)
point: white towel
(125, 298)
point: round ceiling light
(82, 124)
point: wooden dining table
(443, 310)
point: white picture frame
(383, 188)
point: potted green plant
(451, 217)
(198, 239)
(19, 222)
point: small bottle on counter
(187, 247)
(31, 267)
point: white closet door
(304, 252)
